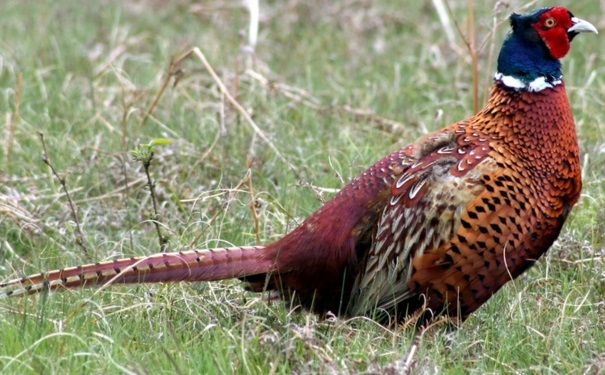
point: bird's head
(536, 43)
(555, 27)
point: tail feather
(191, 265)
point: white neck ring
(536, 85)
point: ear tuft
(514, 20)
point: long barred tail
(191, 265)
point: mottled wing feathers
(422, 214)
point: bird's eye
(550, 22)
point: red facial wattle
(552, 27)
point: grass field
(334, 86)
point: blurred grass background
(334, 86)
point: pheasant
(439, 225)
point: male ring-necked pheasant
(444, 222)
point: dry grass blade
(444, 18)
(196, 51)
(10, 208)
(301, 96)
(12, 120)
(174, 71)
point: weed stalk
(74, 213)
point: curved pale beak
(581, 26)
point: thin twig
(253, 210)
(74, 213)
(162, 240)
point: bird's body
(442, 223)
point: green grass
(90, 72)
